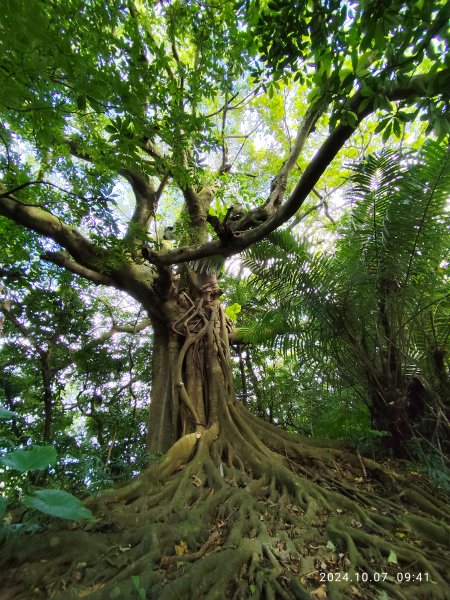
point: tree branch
(418, 86)
(64, 260)
(146, 203)
(107, 335)
(11, 273)
(43, 222)
(146, 198)
(5, 306)
(279, 183)
(162, 185)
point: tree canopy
(100, 92)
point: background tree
(94, 95)
(73, 376)
(372, 312)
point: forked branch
(416, 87)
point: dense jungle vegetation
(224, 300)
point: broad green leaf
(81, 102)
(58, 504)
(6, 414)
(233, 311)
(34, 458)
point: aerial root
(237, 521)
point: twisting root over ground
(245, 512)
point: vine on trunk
(202, 373)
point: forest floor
(252, 512)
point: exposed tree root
(247, 512)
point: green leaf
(364, 60)
(6, 414)
(58, 504)
(34, 458)
(330, 546)
(351, 118)
(381, 125)
(387, 133)
(313, 94)
(379, 36)
(384, 103)
(364, 104)
(233, 311)
(392, 558)
(81, 103)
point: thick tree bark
(192, 372)
(160, 432)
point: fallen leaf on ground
(181, 548)
(320, 592)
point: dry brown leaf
(86, 591)
(320, 592)
(181, 548)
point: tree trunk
(192, 372)
(160, 435)
(47, 377)
(399, 411)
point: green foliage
(336, 48)
(296, 395)
(233, 310)
(98, 380)
(93, 94)
(135, 579)
(392, 558)
(6, 414)
(3, 507)
(34, 458)
(57, 503)
(369, 315)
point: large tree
(157, 95)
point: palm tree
(375, 310)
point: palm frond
(346, 311)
